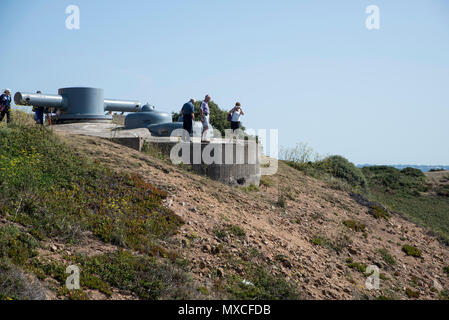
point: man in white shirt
(205, 113)
(236, 112)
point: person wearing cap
(188, 116)
(5, 105)
(205, 113)
(236, 113)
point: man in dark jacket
(5, 105)
(39, 113)
(188, 116)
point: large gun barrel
(78, 103)
(38, 100)
(121, 105)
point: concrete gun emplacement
(84, 104)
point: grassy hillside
(51, 194)
(405, 191)
(139, 227)
(48, 192)
(408, 192)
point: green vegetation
(261, 285)
(407, 181)
(446, 270)
(232, 230)
(16, 248)
(387, 189)
(321, 241)
(154, 150)
(142, 275)
(361, 267)
(251, 188)
(386, 256)
(354, 225)
(407, 192)
(61, 202)
(411, 293)
(338, 245)
(266, 182)
(411, 251)
(333, 167)
(379, 212)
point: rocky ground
(314, 235)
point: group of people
(188, 116)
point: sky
(310, 69)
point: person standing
(205, 114)
(5, 105)
(188, 116)
(39, 113)
(236, 112)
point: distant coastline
(423, 168)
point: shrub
(251, 188)
(321, 241)
(386, 256)
(234, 230)
(389, 179)
(411, 294)
(446, 270)
(16, 286)
(336, 167)
(361, 267)
(341, 168)
(143, 276)
(411, 251)
(354, 225)
(265, 181)
(16, 246)
(264, 286)
(413, 172)
(379, 212)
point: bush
(143, 276)
(340, 167)
(411, 251)
(16, 286)
(361, 267)
(354, 225)
(333, 166)
(446, 270)
(386, 256)
(264, 286)
(411, 293)
(412, 172)
(408, 181)
(379, 212)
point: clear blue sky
(309, 68)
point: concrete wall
(135, 143)
(234, 163)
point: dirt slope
(303, 239)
